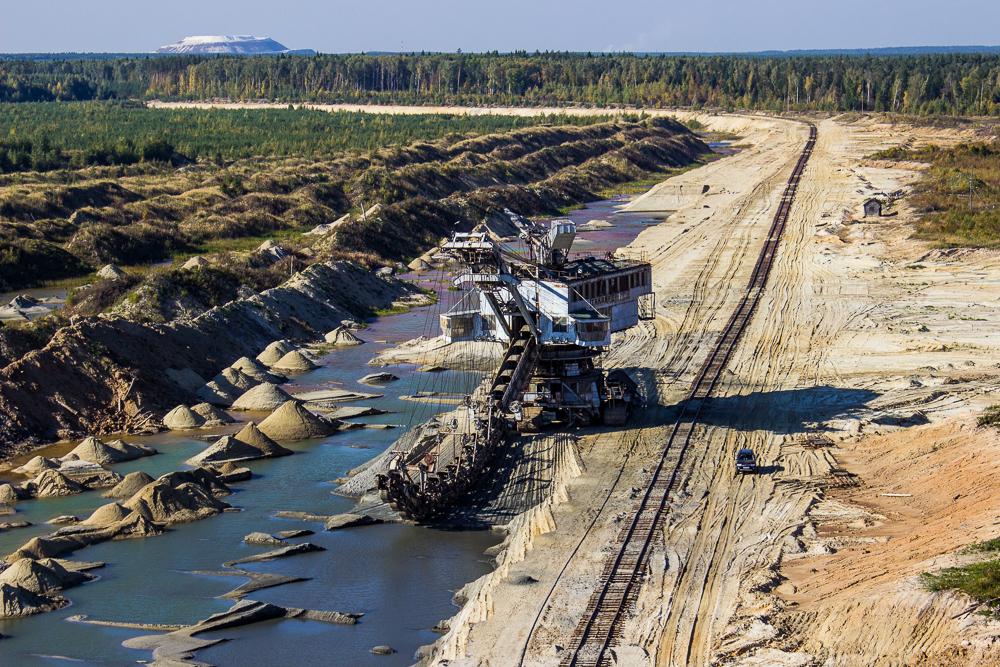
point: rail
(618, 586)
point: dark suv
(746, 461)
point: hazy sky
(338, 26)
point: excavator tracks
(601, 625)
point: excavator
(555, 315)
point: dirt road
(844, 342)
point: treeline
(47, 136)
(956, 84)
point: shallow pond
(401, 577)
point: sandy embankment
(860, 331)
(411, 110)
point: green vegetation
(926, 84)
(949, 218)
(69, 222)
(641, 185)
(47, 136)
(991, 416)
(978, 580)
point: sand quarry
(879, 344)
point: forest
(48, 136)
(955, 84)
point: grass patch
(980, 581)
(952, 216)
(991, 417)
(640, 186)
(394, 310)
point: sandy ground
(863, 335)
(411, 110)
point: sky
(338, 26)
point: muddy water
(401, 577)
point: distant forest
(956, 84)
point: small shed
(873, 207)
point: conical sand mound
(255, 438)
(161, 503)
(53, 484)
(234, 381)
(274, 352)
(41, 577)
(230, 448)
(36, 548)
(293, 422)
(263, 397)
(95, 451)
(8, 494)
(294, 362)
(182, 418)
(212, 415)
(106, 515)
(258, 371)
(128, 487)
(16, 602)
(36, 466)
(31, 576)
(226, 448)
(342, 337)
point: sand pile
(128, 487)
(264, 397)
(228, 472)
(43, 576)
(255, 438)
(134, 525)
(182, 418)
(342, 337)
(105, 515)
(212, 415)
(378, 378)
(52, 484)
(16, 602)
(101, 453)
(234, 381)
(110, 272)
(294, 362)
(160, 502)
(8, 494)
(185, 378)
(274, 352)
(226, 448)
(214, 394)
(36, 466)
(247, 445)
(293, 422)
(420, 264)
(257, 371)
(36, 548)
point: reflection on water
(401, 577)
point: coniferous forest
(956, 84)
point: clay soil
(880, 344)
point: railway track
(618, 587)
